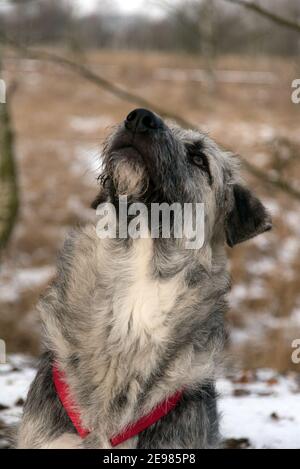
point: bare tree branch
(282, 21)
(125, 95)
(98, 80)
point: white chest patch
(142, 308)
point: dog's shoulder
(80, 244)
(81, 237)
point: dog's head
(152, 162)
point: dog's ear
(247, 216)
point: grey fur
(132, 321)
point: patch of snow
(257, 326)
(267, 133)
(262, 266)
(222, 76)
(13, 283)
(289, 250)
(14, 386)
(240, 292)
(90, 124)
(28, 65)
(75, 205)
(268, 414)
(15, 378)
(262, 242)
(261, 159)
(292, 218)
(295, 317)
(273, 206)
(239, 336)
(246, 132)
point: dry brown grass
(57, 185)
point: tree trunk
(8, 176)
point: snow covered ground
(259, 409)
(15, 378)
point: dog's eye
(198, 158)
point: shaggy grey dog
(132, 321)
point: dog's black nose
(141, 120)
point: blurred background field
(223, 68)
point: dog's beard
(129, 178)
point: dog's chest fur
(141, 302)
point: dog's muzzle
(142, 120)
(140, 140)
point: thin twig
(280, 20)
(275, 181)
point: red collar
(162, 409)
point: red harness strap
(162, 409)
